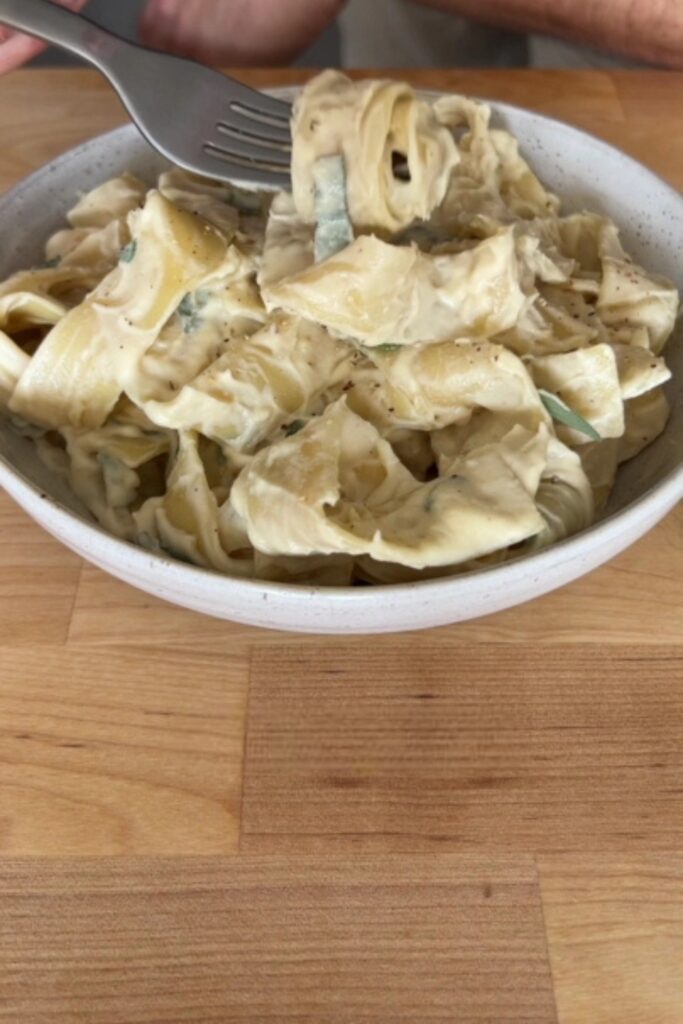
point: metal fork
(197, 118)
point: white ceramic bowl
(587, 173)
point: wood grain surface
(615, 933)
(464, 748)
(201, 822)
(434, 939)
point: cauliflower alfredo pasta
(413, 364)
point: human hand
(16, 49)
(236, 32)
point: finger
(179, 26)
(160, 24)
(183, 27)
(201, 31)
(16, 49)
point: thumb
(16, 49)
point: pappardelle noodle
(412, 365)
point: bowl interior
(584, 171)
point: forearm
(647, 30)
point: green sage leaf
(561, 412)
(334, 230)
(128, 252)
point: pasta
(371, 124)
(395, 294)
(413, 364)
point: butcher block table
(203, 822)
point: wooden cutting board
(201, 822)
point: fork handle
(63, 28)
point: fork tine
(246, 157)
(248, 176)
(255, 103)
(257, 129)
(245, 150)
(260, 117)
(250, 138)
